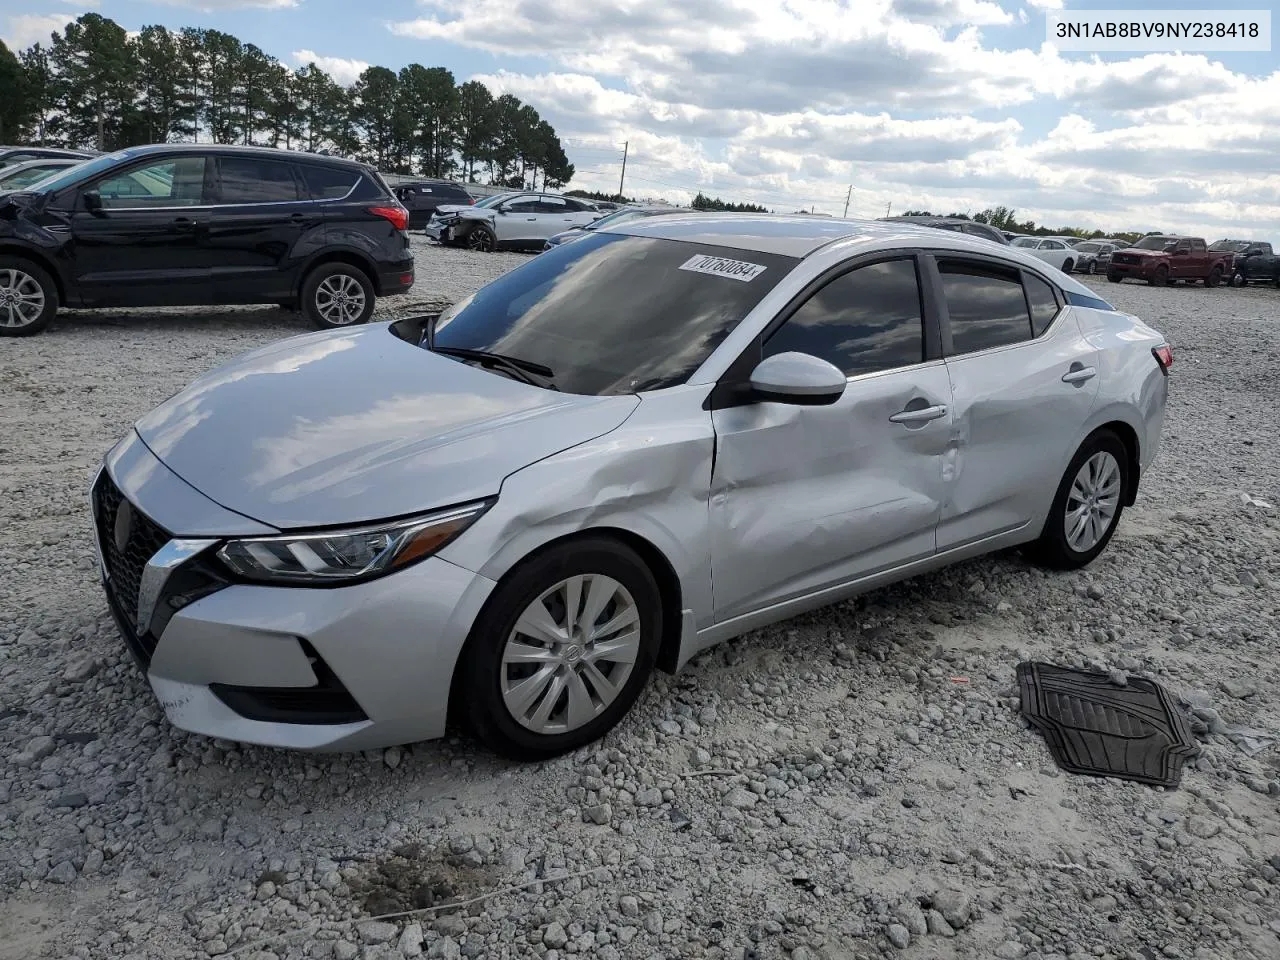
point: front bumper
(340, 668)
(439, 231)
(1138, 271)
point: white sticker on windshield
(722, 267)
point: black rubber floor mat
(1094, 727)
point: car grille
(1123, 258)
(124, 567)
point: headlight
(342, 556)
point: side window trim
(730, 389)
(303, 191)
(931, 277)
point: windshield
(613, 314)
(1155, 243)
(13, 179)
(1026, 242)
(1236, 245)
(70, 175)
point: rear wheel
(1214, 278)
(337, 295)
(1087, 506)
(562, 650)
(28, 297)
(1068, 265)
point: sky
(946, 105)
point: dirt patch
(413, 877)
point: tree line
(1002, 218)
(95, 86)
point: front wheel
(1114, 277)
(1160, 278)
(1093, 267)
(337, 295)
(482, 238)
(28, 298)
(561, 651)
(1237, 279)
(1087, 506)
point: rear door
(148, 244)
(260, 214)
(554, 216)
(1054, 252)
(1023, 382)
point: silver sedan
(635, 446)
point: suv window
(255, 180)
(552, 205)
(177, 182)
(327, 183)
(1043, 302)
(866, 320)
(986, 305)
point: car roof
(154, 149)
(794, 236)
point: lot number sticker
(721, 267)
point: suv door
(260, 215)
(1023, 382)
(147, 243)
(807, 497)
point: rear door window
(986, 305)
(327, 183)
(252, 180)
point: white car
(509, 221)
(1051, 250)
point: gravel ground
(821, 789)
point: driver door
(1180, 260)
(805, 498)
(147, 243)
(517, 220)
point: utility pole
(888, 206)
(623, 179)
(846, 200)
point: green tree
(429, 102)
(40, 89)
(222, 57)
(502, 153)
(95, 70)
(15, 106)
(375, 99)
(475, 125)
(159, 82)
(324, 110)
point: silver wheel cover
(340, 299)
(1092, 503)
(22, 299)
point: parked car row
(194, 225)
(520, 220)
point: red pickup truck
(1161, 260)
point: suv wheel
(337, 295)
(28, 298)
(481, 238)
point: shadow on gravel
(412, 877)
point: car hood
(356, 425)
(462, 210)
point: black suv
(421, 197)
(188, 225)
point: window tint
(613, 314)
(1044, 303)
(524, 205)
(986, 305)
(552, 205)
(326, 183)
(167, 183)
(253, 180)
(866, 320)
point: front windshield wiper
(527, 370)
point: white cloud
(343, 70)
(1046, 4)
(27, 28)
(212, 6)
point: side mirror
(798, 379)
(93, 203)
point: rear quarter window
(327, 183)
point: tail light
(1164, 357)
(398, 215)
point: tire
(481, 238)
(28, 297)
(1160, 278)
(483, 670)
(1214, 278)
(1068, 266)
(1093, 268)
(1057, 549)
(1237, 279)
(1114, 277)
(337, 295)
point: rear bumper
(396, 279)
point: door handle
(1078, 374)
(184, 223)
(921, 415)
(531, 219)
